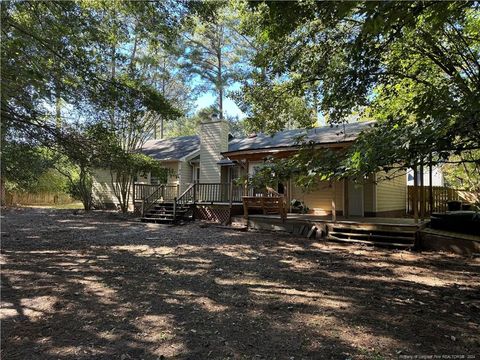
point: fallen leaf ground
(100, 286)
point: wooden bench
(268, 204)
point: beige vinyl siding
(102, 187)
(102, 190)
(391, 194)
(213, 141)
(319, 200)
(184, 175)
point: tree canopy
(136, 68)
(412, 66)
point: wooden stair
(391, 235)
(162, 212)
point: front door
(355, 199)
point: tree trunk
(219, 80)
(58, 113)
(113, 65)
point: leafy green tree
(161, 69)
(23, 165)
(465, 177)
(77, 154)
(212, 51)
(412, 66)
(124, 167)
(65, 62)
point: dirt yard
(98, 286)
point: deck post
(334, 207)
(174, 208)
(430, 185)
(422, 192)
(289, 195)
(415, 193)
(345, 198)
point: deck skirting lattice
(215, 213)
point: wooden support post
(230, 195)
(430, 185)
(174, 208)
(422, 192)
(289, 199)
(345, 197)
(415, 193)
(334, 207)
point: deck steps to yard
(394, 235)
(163, 213)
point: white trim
(191, 155)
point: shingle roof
(287, 138)
(171, 149)
(179, 147)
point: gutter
(283, 148)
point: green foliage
(23, 165)
(51, 181)
(412, 66)
(181, 127)
(190, 125)
(75, 54)
(465, 176)
(124, 165)
(213, 54)
(291, 110)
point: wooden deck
(442, 240)
(350, 219)
(395, 232)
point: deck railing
(150, 194)
(165, 191)
(195, 192)
(440, 197)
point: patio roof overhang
(284, 149)
(227, 162)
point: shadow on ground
(99, 286)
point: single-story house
(215, 157)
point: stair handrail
(181, 199)
(147, 203)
